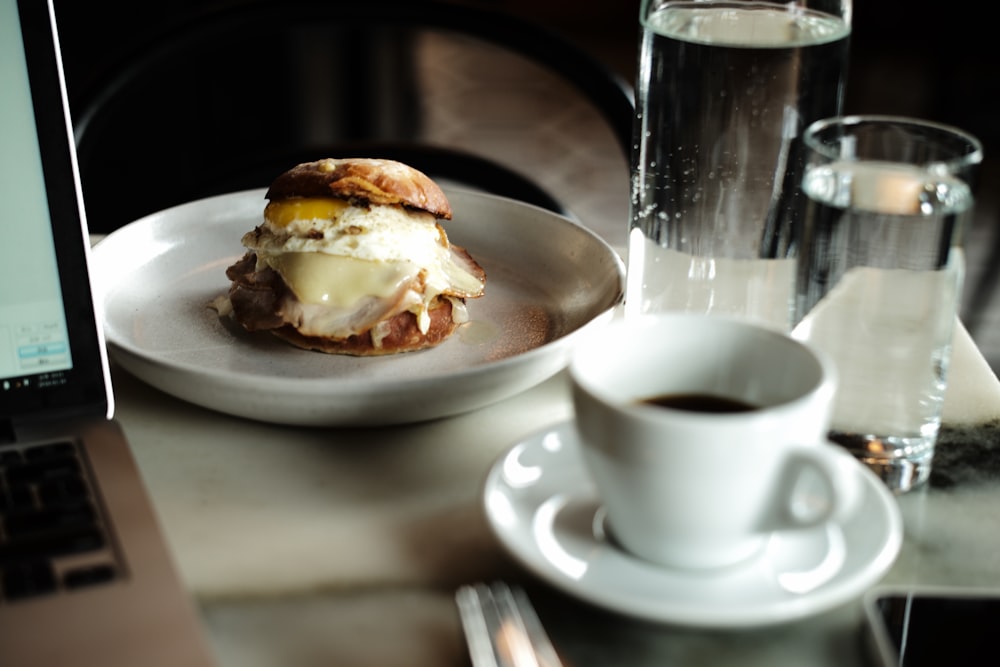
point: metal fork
(502, 628)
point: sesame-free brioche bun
(369, 180)
(402, 334)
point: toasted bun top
(368, 180)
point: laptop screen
(50, 349)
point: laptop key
(46, 512)
(94, 575)
(23, 579)
(49, 545)
(8, 457)
(18, 497)
(39, 471)
(62, 492)
(39, 522)
(50, 451)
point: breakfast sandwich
(351, 259)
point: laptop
(86, 577)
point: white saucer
(541, 504)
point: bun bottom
(402, 335)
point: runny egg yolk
(282, 213)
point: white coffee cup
(699, 490)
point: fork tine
(544, 650)
(515, 641)
(502, 628)
(474, 624)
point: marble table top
(311, 546)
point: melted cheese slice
(334, 256)
(333, 280)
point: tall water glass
(724, 90)
(880, 276)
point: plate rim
(130, 355)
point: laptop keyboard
(52, 537)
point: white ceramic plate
(548, 279)
(544, 509)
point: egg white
(378, 233)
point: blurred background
(909, 57)
(923, 58)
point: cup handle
(820, 483)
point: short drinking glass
(879, 278)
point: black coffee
(700, 403)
